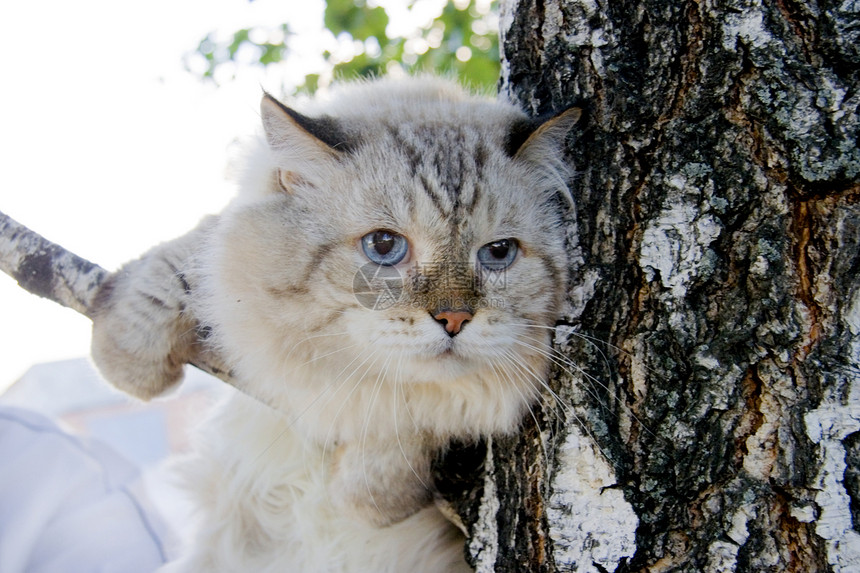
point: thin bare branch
(47, 269)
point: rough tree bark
(715, 308)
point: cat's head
(399, 248)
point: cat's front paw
(141, 338)
(143, 329)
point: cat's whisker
(512, 358)
(566, 408)
(298, 416)
(548, 351)
(569, 330)
(342, 333)
(346, 398)
(409, 410)
(333, 389)
(562, 362)
(574, 369)
(530, 376)
(399, 385)
(593, 341)
(508, 379)
(325, 447)
(327, 390)
(377, 387)
(577, 372)
(327, 354)
(511, 370)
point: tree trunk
(715, 305)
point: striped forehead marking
(448, 161)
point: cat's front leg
(144, 330)
(383, 481)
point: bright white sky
(107, 146)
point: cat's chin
(444, 366)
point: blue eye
(384, 248)
(498, 255)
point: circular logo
(377, 287)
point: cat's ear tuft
(286, 127)
(542, 144)
(538, 140)
(305, 147)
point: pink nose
(453, 320)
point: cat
(386, 281)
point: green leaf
(311, 84)
(359, 67)
(356, 19)
(239, 37)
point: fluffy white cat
(386, 281)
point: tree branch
(47, 269)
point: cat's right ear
(541, 141)
(305, 147)
(542, 137)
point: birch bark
(715, 309)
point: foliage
(267, 47)
(462, 40)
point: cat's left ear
(306, 147)
(544, 140)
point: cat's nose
(453, 320)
